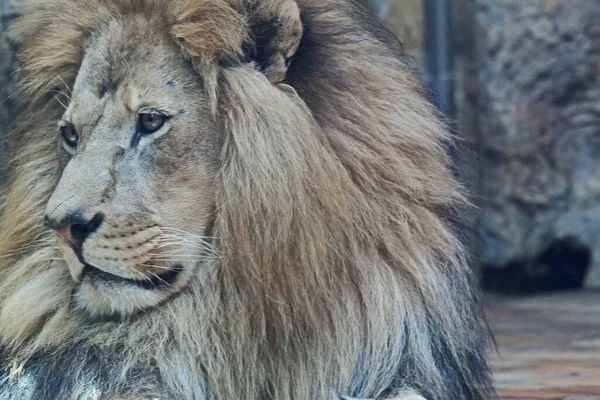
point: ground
(548, 345)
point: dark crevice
(563, 265)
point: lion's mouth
(150, 283)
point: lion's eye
(151, 122)
(69, 135)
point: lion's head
(140, 148)
(229, 199)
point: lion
(230, 199)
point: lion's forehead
(132, 68)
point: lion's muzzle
(124, 251)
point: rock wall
(526, 80)
(539, 142)
(7, 77)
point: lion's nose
(75, 228)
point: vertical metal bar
(438, 57)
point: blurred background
(519, 81)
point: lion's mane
(339, 270)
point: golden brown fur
(338, 272)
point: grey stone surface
(7, 77)
(539, 135)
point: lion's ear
(274, 37)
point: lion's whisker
(143, 275)
(186, 260)
(175, 251)
(40, 240)
(25, 249)
(66, 85)
(60, 102)
(159, 278)
(57, 92)
(42, 233)
(201, 245)
(164, 244)
(157, 266)
(192, 242)
(166, 228)
(182, 257)
(181, 253)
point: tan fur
(335, 270)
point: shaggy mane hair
(340, 273)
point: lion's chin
(104, 295)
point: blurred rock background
(7, 77)
(521, 81)
(525, 84)
(539, 140)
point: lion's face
(139, 148)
